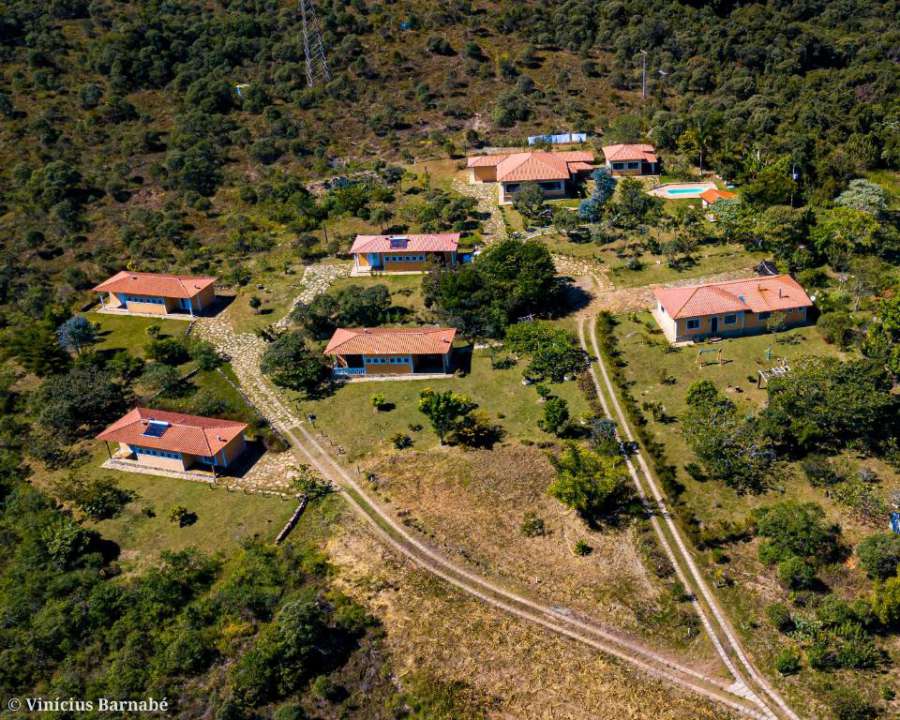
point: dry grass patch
(472, 505)
(511, 668)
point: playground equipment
(708, 351)
(780, 370)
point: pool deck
(687, 191)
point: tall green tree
(445, 410)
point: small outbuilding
(402, 254)
(631, 159)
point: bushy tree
(168, 351)
(591, 209)
(511, 279)
(529, 201)
(879, 555)
(731, 447)
(556, 416)
(77, 333)
(794, 529)
(595, 486)
(554, 352)
(80, 402)
(352, 306)
(865, 196)
(292, 364)
(827, 402)
(445, 410)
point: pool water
(684, 191)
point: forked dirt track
(749, 682)
(558, 620)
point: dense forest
(170, 134)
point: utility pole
(313, 49)
(643, 74)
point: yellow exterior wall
(484, 174)
(152, 308)
(387, 368)
(750, 323)
(153, 461)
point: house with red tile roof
(157, 293)
(554, 172)
(174, 442)
(631, 159)
(733, 307)
(714, 195)
(361, 352)
(400, 254)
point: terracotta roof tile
(759, 294)
(624, 152)
(714, 195)
(391, 341)
(155, 284)
(191, 434)
(443, 242)
(535, 166)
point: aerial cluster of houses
(180, 443)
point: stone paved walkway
(316, 280)
(486, 195)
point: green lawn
(710, 260)
(406, 290)
(348, 418)
(224, 518)
(212, 382)
(649, 361)
(130, 333)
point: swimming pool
(681, 191)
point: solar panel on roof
(155, 428)
(399, 242)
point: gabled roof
(759, 294)
(535, 166)
(391, 341)
(443, 242)
(713, 195)
(625, 151)
(191, 434)
(155, 284)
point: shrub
(796, 529)
(787, 662)
(168, 351)
(181, 515)
(819, 471)
(556, 417)
(848, 704)
(880, 554)
(98, 498)
(796, 573)
(533, 526)
(401, 441)
(780, 617)
(582, 548)
(886, 602)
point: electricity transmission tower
(316, 65)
